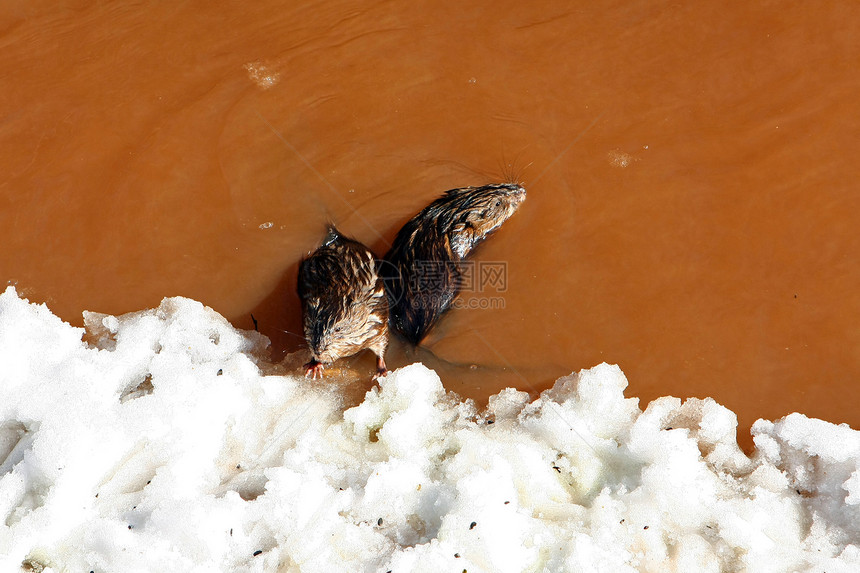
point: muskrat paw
(314, 369)
(381, 369)
(380, 372)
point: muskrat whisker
(529, 164)
(487, 175)
(509, 170)
(291, 333)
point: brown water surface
(692, 216)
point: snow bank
(160, 445)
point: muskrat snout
(326, 349)
(517, 193)
(323, 355)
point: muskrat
(344, 306)
(424, 275)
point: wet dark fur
(424, 275)
(344, 307)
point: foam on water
(161, 444)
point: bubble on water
(267, 225)
(262, 75)
(618, 158)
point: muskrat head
(478, 211)
(338, 328)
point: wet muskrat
(344, 307)
(423, 276)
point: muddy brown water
(692, 172)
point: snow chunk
(154, 441)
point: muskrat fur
(344, 307)
(423, 276)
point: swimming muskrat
(424, 275)
(344, 307)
